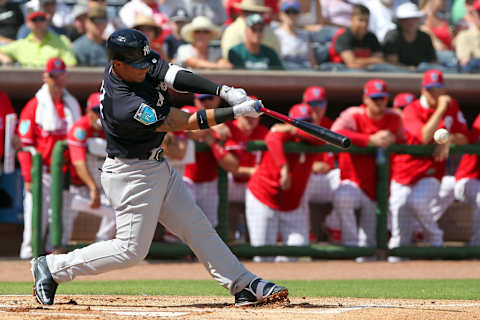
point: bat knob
(258, 105)
(346, 143)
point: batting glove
(233, 96)
(249, 108)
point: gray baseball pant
(143, 192)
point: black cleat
(44, 286)
(260, 291)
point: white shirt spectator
(62, 17)
(337, 12)
(212, 9)
(186, 51)
(129, 12)
(294, 48)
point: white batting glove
(249, 108)
(233, 96)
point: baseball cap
(79, 10)
(408, 10)
(403, 99)
(254, 19)
(93, 102)
(37, 13)
(375, 88)
(202, 95)
(290, 5)
(55, 65)
(301, 111)
(180, 15)
(315, 96)
(476, 5)
(433, 78)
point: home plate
(149, 313)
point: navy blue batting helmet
(132, 47)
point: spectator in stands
(371, 124)
(152, 31)
(78, 27)
(112, 24)
(197, 53)
(235, 33)
(275, 191)
(252, 54)
(233, 9)
(356, 47)
(337, 13)
(381, 15)
(148, 8)
(324, 179)
(212, 9)
(11, 18)
(201, 176)
(296, 52)
(468, 44)
(60, 11)
(39, 46)
(407, 46)
(44, 121)
(467, 186)
(309, 15)
(87, 149)
(174, 40)
(90, 49)
(416, 180)
(47, 6)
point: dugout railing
(317, 251)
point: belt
(155, 154)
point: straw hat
(252, 5)
(141, 20)
(199, 23)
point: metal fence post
(383, 165)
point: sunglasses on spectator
(202, 31)
(257, 28)
(292, 12)
(98, 20)
(98, 0)
(39, 19)
(378, 98)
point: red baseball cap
(375, 88)
(476, 5)
(35, 14)
(403, 99)
(301, 111)
(315, 96)
(55, 65)
(93, 102)
(433, 78)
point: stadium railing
(381, 251)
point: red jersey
(204, 169)
(5, 108)
(78, 135)
(31, 134)
(408, 169)
(237, 144)
(265, 183)
(469, 167)
(358, 126)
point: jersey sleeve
(343, 43)
(77, 143)
(26, 132)
(346, 125)
(159, 70)
(459, 123)
(275, 141)
(412, 123)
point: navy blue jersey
(130, 112)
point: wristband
(218, 151)
(202, 119)
(223, 114)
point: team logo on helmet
(121, 38)
(146, 50)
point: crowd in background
(325, 35)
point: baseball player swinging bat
(322, 133)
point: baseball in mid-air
(441, 136)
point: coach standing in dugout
(274, 193)
(143, 188)
(371, 124)
(416, 180)
(44, 121)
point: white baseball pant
(468, 190)
(348, 198)
(320, 189)
(67, 217)
(407, 201)
(206, 196)
(264, 223)
(236, 190)
(144, 192)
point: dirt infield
(201, 307)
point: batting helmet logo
(146, 50)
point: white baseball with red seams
(441, 136)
